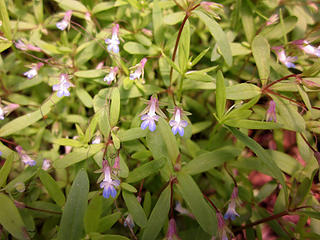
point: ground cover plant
(165, 119)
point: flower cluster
(25, 158)
(63, 86)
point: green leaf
(115, 107)
(131, 134)
(67, 142)
(96, 73)
(158, 216)
(24, 121)
(209, 160)
(84, 97)
(247, 20)
(200, 209)
(77, 155)
(108, 221)
(91, 128)
(171, 63)
(4, 45)
(220, 95)
(52, 187)
(239, 50)
(157, 20)
(6, 168)
(72, 5)
(277, 31)
(96, 236)
(174, 18)
(5, 20)
(135, 208)
(199, 57)
(261, 53)
(92, 216)
(10, 218)
(102, 6)
(169, 139)
(263, 156)
(242, 91)
(251, 124)
(184, 47)
(135, 48)
(38, 10)
(145, 170)
(21, 178)
(128, 187)
(218, 34)
(71, 223)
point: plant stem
(279, 80)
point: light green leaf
(5, 20)
(77, 155)
(4, 45)
(131, 134)
(67, 142)
(72, 5)
(261, 53)
(218, 34)
(96, 73)
(10, 218)
(71, 223)
(84, 97)
(251, 124)
(247, 20)
(220, 95)
(242, 91)
(199, 207)
(21, 178)
(52, 187)
(277, 31)
(135, 48)
(145, 170)
(184, 47)
(239, 50)
(135, 208)
(30, 118)
(209, 160)
(174, 18)
(128, 187)
(158, 216)
(199, 57)
(6, 168)
(157, 20)
(115, 107)
(102, 6)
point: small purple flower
(150, 118)
(139, 72)
(271, 112)
(112, 75)
(108, 184)
(221, 226)
(285, 60)
(46, 164)
(305, 46)
(231, 212)
(177, 124)
(128, 222)
(33, 71)
(65, 22)
(212, 8)
(26, 159)
(9, 107)
(113, 43)
(96, 140)
(172, 230)
(63, 86)
(24, 47)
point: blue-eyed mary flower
(111, 76)
(20, 44)
(305, 46)
(65, 22)
(283, 58)
(33, 71)
(113, 42)
(150, 114)
(62, 87)
(231, 211)
(25, 158)
(7, 108)
(177, 123)
(46, 164)
(271, 112)
(108, 184)
(139, 70)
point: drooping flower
(222, 228)
(26, 159)
(65, 22)
(46, 164)
(231, 212)
(33, 71)
(25, 47)
(116, 164)
(7, 109)
(273, 19)
(283, 58)
(305, 46)
(150, 118)
(139, 70)
(113, 42)
(108, 184)
(172, 230)
(177, 123)
(182, 210)
(128, 222)
(111, 76)
(271, 112)
(212, 8)
(63, 86)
